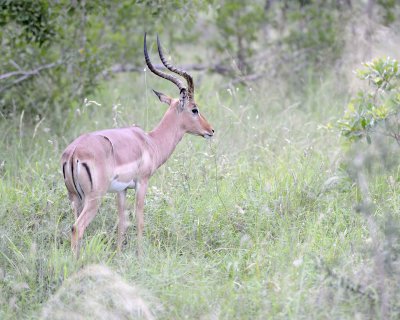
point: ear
(163, 98)
(182, 99)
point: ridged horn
(159, 73)
(172, 68)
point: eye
(195, 111)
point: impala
(115, 160)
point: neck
(166, 135)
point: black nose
(212, 130)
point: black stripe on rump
(89, 174)
(73, 179)
(64, 164)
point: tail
(71, 167)
(74, 176)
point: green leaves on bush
(33, 17)
(378, 104)
(54, 53)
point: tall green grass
(259, 223)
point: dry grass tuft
(96, 292)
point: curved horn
(182, 73)
(159, 73)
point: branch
(247, 78)
(225, 67)
(118, 68)
(25, 74)
(217, 68)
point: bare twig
(217, 68)
(117, 68)
(23, 75)
(30, 72)
(223, 67)
(247, 78)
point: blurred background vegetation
(55, 53)
(292, 211)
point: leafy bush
(375, 109)
(54, 53)
(32, 16)
(48, 60)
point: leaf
(378, 81)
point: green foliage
(307, 34)
(239, 29)
(314, 36)
(389, 10)
(32, 16)
(47, 61)
(378, 106)
(55, 52)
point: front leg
(141, 189)
(122, 215)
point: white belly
(118, 186)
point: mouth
(208, 136)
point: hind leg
(89, 211)
(77, 204)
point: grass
(259, 223)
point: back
(127, 144)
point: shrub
(376, 108)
